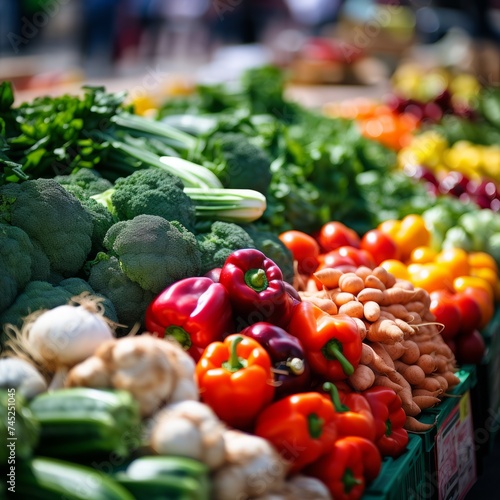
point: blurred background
(48, 43)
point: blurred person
(98, 34)
(246, 21)
(315, 15)
(173, 28)
(10, 26)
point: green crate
(492, 422)
(438, 415)
(402, 477)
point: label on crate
(455, 455)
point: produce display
(234, 296)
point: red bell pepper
(351, 464)
(332, 343)
(256, 288)
(235, 379)
(194, 311)
(390, 436)
(301, 427)
(353, 414)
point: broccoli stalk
(228, 205)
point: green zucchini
(166, 478)
(83, 421)
(44, 478)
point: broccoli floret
(154, 252)
(102, 218)
(52, 217)
(40, 264)
(130, 300)
(90, 181)
(153, 192)
(43, 295)
(271, 246)
(238, 163)
(222, 240)
(15, 263)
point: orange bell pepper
(301, 427)
(235, 379)
(332, 344)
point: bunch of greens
(315, 159)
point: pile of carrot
(402, 345)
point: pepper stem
(256, 279)
(179, 334)
(350, 481)
(234, 363)
(315, 425)
(296, 366)
(335, 396)
(333, 350)
(388, 427)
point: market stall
(228, 294)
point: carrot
(427, 363)
(385, 381)
(425, 402)
(443, 382)
(396, 350)
(311, 286)
(372, 281)
(328, 277)
(415, 306)
(451, 378)
(362, 378)
(341, 298)
(397, 296)
(361, 328)
(371, 358)
(414, 318)
(351, 283)
(404, 284)
(413, 425)
(370, 294)
(384, 330)
(426, 347)
(353, 308)
(407, 329)
(409, 406)
(412, 373)
(412, 352)
(426, 392)
(398, 311)
(430, 384)
(384, 276)
(363, 272)
(379, 349)
(326, 305)
(371, 310)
